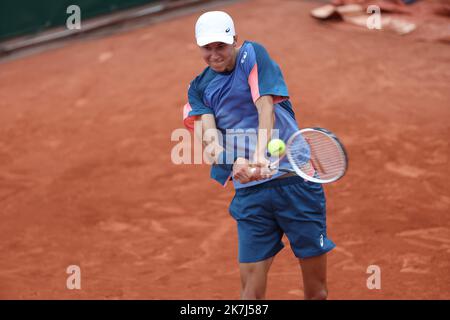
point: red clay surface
(86, 176)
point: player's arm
(208, 135)
(266, 117)
(242, 167)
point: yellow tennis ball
(276, 147)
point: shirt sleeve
(195, 106)
(264, 74)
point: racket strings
(317, 155)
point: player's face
(219, 56)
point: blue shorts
(290, 206)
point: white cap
(214, 26)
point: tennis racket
(315, 154)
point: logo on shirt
(243, 57)
(321, 240)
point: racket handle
(286, 170)
(253, 170)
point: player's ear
(235, 40)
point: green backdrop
(19, 17)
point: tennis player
(241, 91)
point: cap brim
(203, 41)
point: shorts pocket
(311, 197)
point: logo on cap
(228, 30)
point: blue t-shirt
(230, 97)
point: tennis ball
(276, 147)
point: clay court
(86, 176)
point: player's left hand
(241, 170)
(245, 172)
